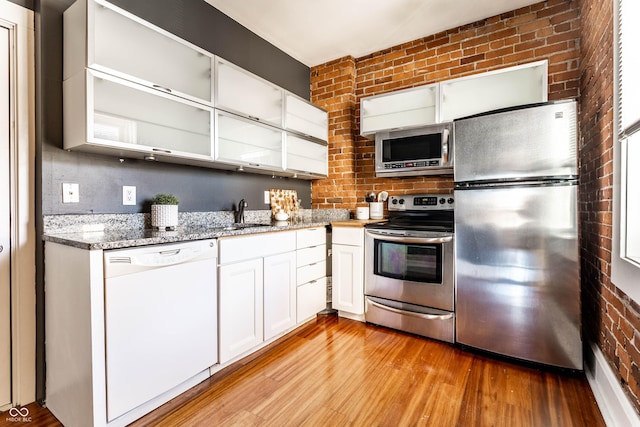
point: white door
(279, 293)
(348, 286)
(241, 309)
(5, 252)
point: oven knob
(442, 201)
(394, 201)
(450, 200)
(401, 201)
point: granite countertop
(125, 238)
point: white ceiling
(317, 31)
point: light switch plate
(70, 192)
(128, 195)
(267, 197)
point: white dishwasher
(160, 319)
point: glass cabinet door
(245, 142)
(240, 92)
(509, 87)
(399, 110)
(306, 118)
(306, 156)
(121, 112)
(128, 47)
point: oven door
(414, 270)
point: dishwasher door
(160, 319)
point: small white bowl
(282, 216)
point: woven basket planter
(164, 217)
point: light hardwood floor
(338, 372)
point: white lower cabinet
(279, 293)
(256, 278)
(127, 329)
(241, 307)
(269, 283)
(347, 253)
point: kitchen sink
(239, 226)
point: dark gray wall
(101, 177)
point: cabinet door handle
(161, 150)
(166, 89)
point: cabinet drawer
(353, 236)
(311, 272)
(311, 237)
(238, 248)
(312, 255)
(311, 299)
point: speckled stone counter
(105, 231)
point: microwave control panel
(416, 164)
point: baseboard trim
(612, 401)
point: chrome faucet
(239, 214)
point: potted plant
(164, 211)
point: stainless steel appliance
(422, 151)
(409, 281)
(517, 267)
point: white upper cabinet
(238, 91)
(452, 99)
(305, 118)
(244, 142)
(306, 157)
(105, 114)
(508, 87)
(104, 37)
(402, 109)
(132, 89)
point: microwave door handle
(445, 146)
(405, 239)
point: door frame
(21, 23)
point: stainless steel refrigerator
(516, 228)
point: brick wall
(611, 319)
(576, 38)
(548, 30)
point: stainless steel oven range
(409, 272)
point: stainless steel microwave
(426, 150)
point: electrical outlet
(128, 195)
(267, 197)
(70, 193)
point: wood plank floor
(338, 372)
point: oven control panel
(421, 202)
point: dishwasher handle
(129, 261)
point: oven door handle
(412, 313)
(406, 239)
